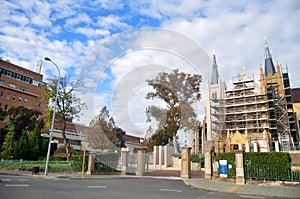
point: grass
(21, 164)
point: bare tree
(68, 105)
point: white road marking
(5, 180)
(96, 186)
(171, 190)
(23, 180)
(17, 185)
(252, 197)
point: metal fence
(29, 164)
(261, 171)
(106, 162)
(271, 172)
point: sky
(115, 45)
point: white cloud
(91, 32)
(168, 9)
(109, 4)
(77, 19)
(111, 21)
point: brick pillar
(124, 158)
(239, 161)
(140, 167)
(208, 164)
(90, 164)
(185, 162)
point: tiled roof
(131, 138)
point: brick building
(20, 87)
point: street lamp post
(53, 116)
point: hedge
(261, 165)
(76, 162)
(272, 165)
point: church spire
(269, 66)
(215, 72)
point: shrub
(195, 158)
(76, 162)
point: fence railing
(28, 164)
(271, 172)
(261, 172)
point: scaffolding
(245, 106)
(281, 115)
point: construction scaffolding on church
(253, 116)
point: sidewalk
(210, 185)
(248, 189)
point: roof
(131, 138)
(295, 95)
(215, 72)
(269, 66)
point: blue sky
(113, 44)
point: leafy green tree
(23, 147)
(35, 143)
(68, 105)
(179, 91)
(24, 119)
(119, 137)
(2, 114)
(8, 148)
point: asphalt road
(14, 187)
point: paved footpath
(281, 191)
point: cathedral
(253, 116)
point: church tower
(276, 85)
(215, 93)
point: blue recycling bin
(223, 168)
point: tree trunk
(67, 144)
(68, 151)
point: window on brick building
(1, 82)
(12, 86)
(14, 98)
(23, 88)
(25, 100)
(20, 99)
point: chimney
(39, 66)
